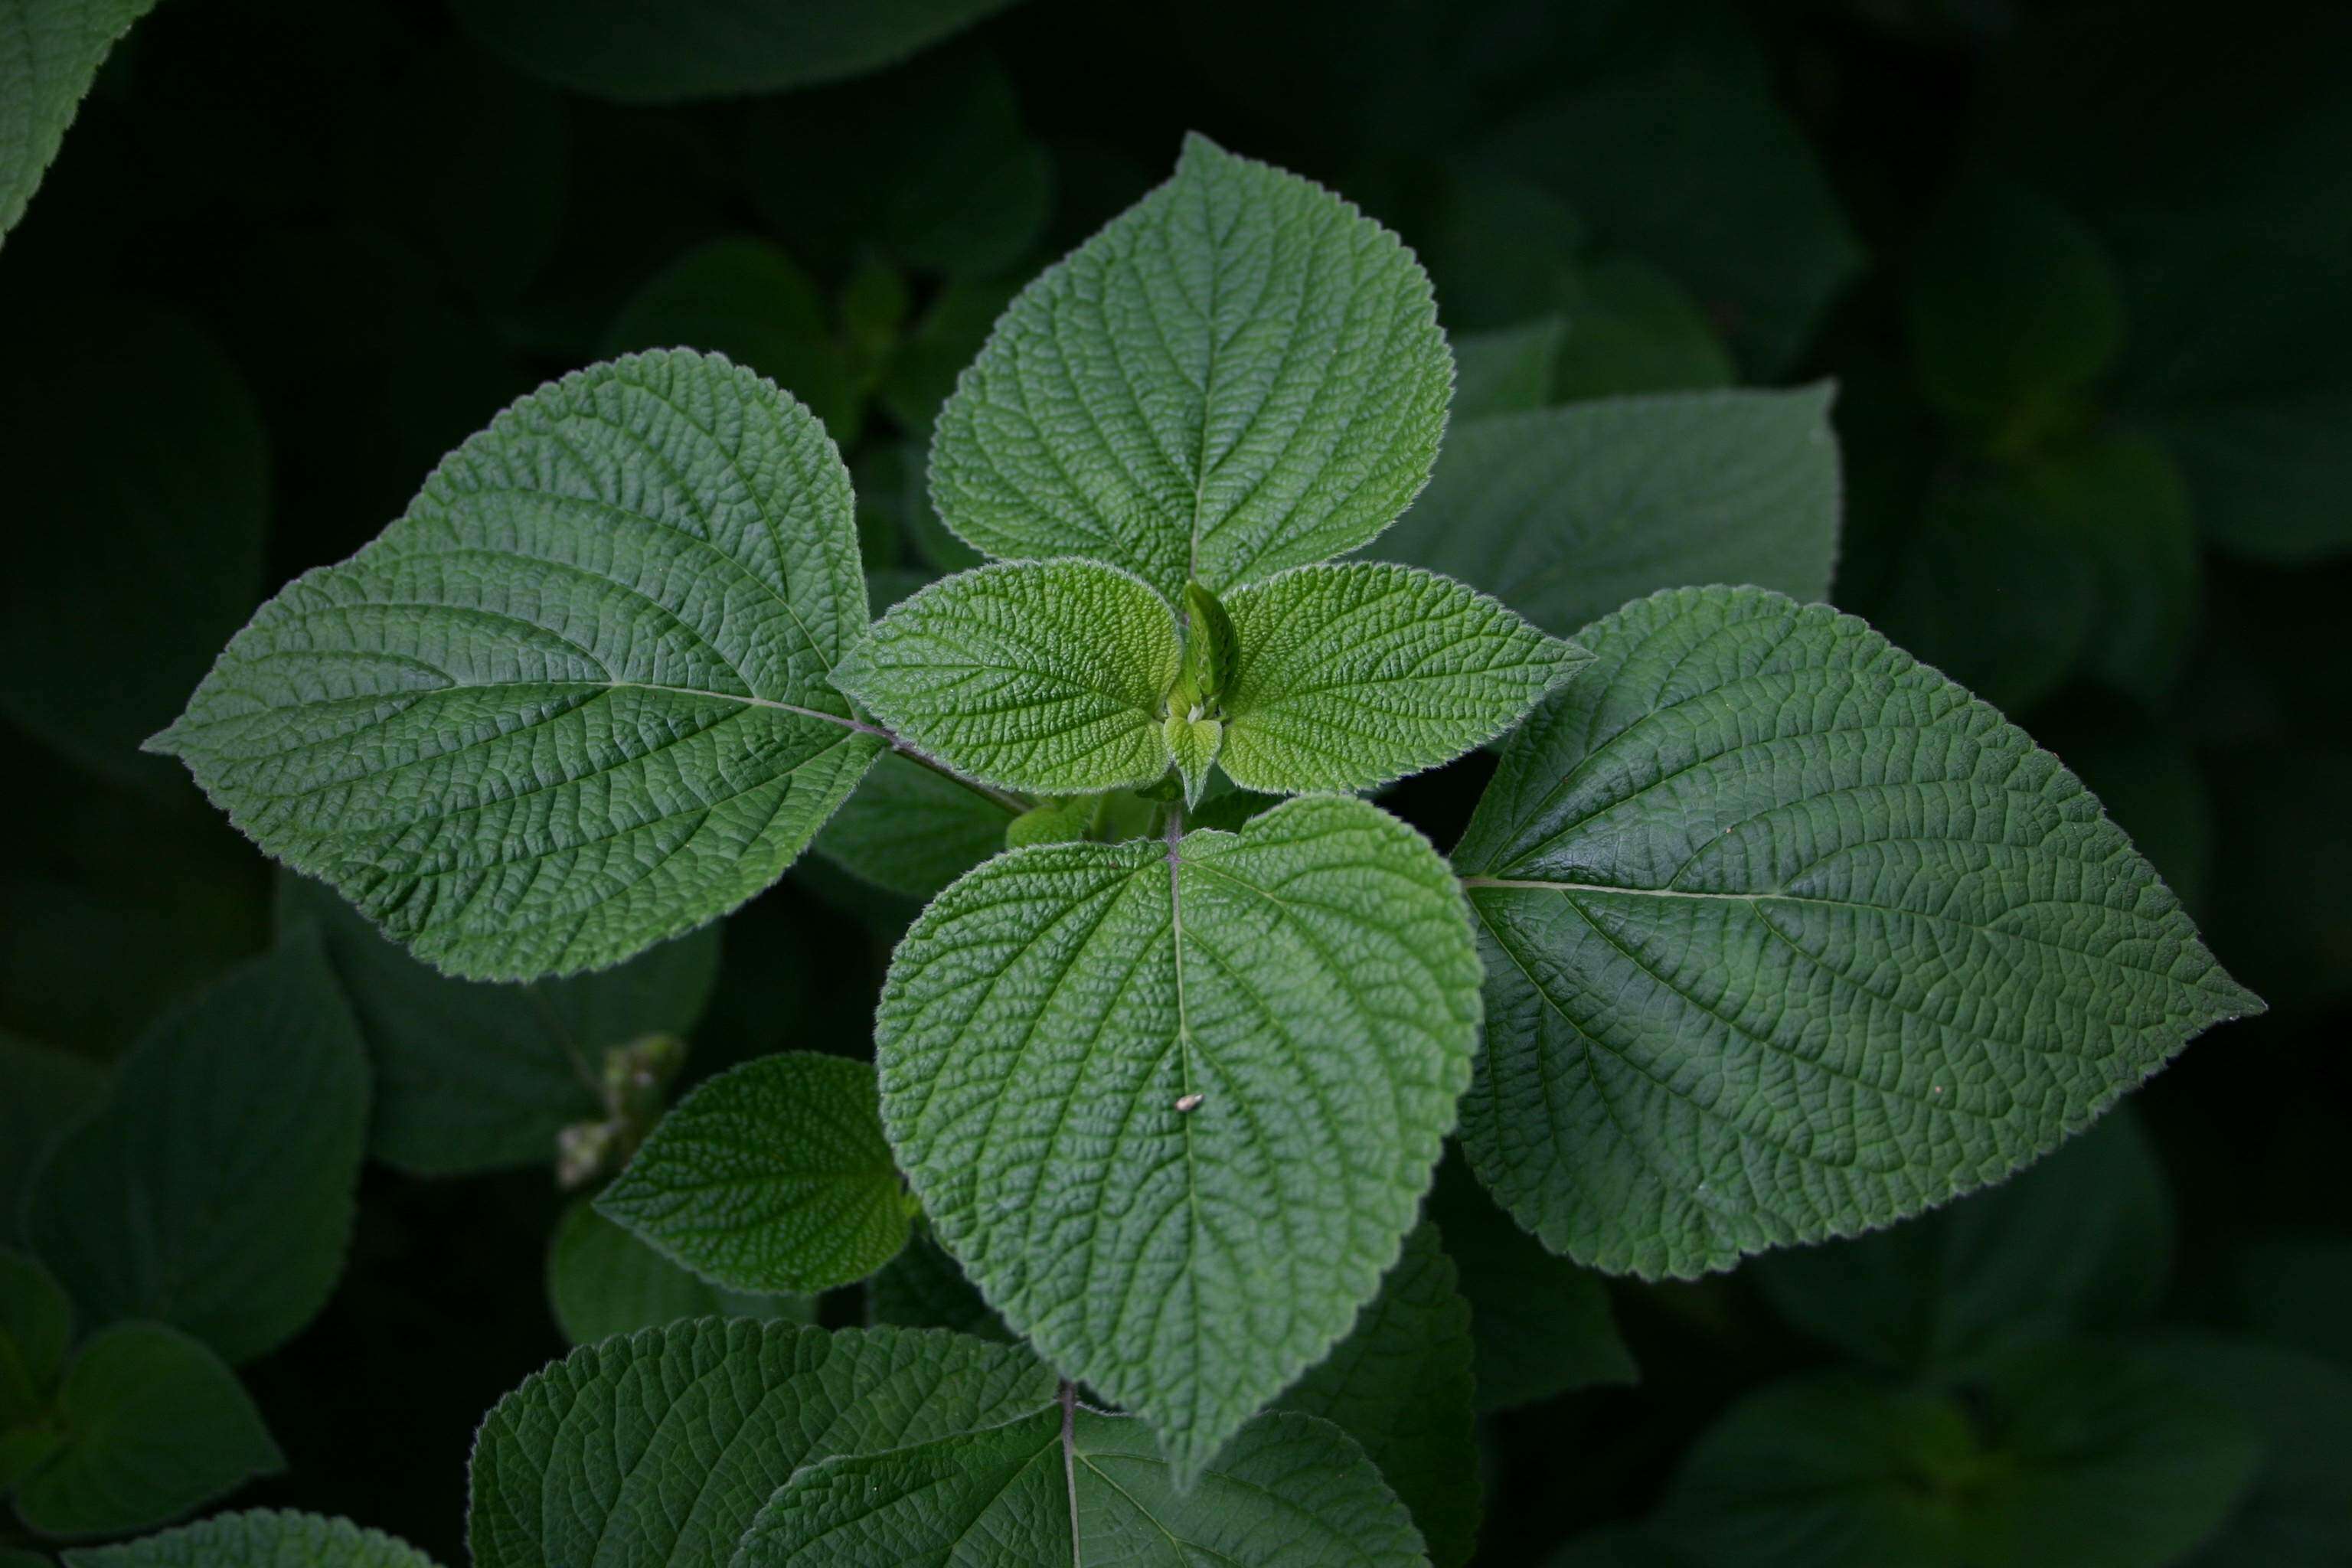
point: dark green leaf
(265, 1537)
(48, 1090)
(56, 48)
(910, 831)
(603, 1281)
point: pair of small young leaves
(1068, 677)
(769, 1445)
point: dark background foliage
(2082, 275)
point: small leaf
(910, 831)
(1566, 513)
(659, 1448)
(1194, 743)
(772, 1178)
(473, 1077)
(264, 1537)
(1172, 1106)
(1788, 937)
(2078, 1454)
(55, 53)
(1211, 650)
(691, 49)
(1354, 675)
(574, 703)
(1399, 1384)
(214, 1189)
(1292, 1491)
(603, 1281)
(1048, 677)
(36, 1326)
(155, 1425)
(1241, 373)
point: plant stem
(1003, 800)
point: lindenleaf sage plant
(1763, 933)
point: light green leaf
(263, 1538)
(156, 1424)
(603, 1281)
(2082, 1241)
(1239, 375)
(690, 49)
(750, 300)
(910, 831)
(655, 1451)
(1292, 1491)
(1506, 370)
(36, 1326)
(2298, 1512)
(1048, 677)
(1399, 1384)
(574, 703)
(772, 1178)
(1194, 743)
(1788, 937)
(1173, 1106)
(2077, 1454)
(47, 1091)
(54, 50)
(1566, 513)
(475, 1077)
(213, 1187)
(1354, 675)
(1541, 1326)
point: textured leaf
(1292, 1491)
(1788, 937)
(1355, 675)
(36, 1326)
(2298, 1512)
(2083, 1455)
(52, 55)
(156, 1424)
(47, 1092)
(1401, 1386)
(575, 701)
(2082, 1241)
(658, 1450)
(1241, 373)
(1048, 677)
(911, 832)
(264, 1537)
(1566, 513)
(710, 48)
(181, 495)
(1173, 1107)
(772, 1178)
(603, 1281)
(1540, 1325)
(214, 1188)
(475, 1077)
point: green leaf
(1401, 1386)
(1172, 1107)
(923, 1289)
(155, 1425)
(772, 1178)
(1352, 676)
(1635, 329)
(472, 1077)
(910, 831)
(2012, 307)
(1048, 677)
(2082, 1241)
(2076, 1455)
(655, 1451)
(48, 1090)
(1540, 1325)
(2298, 1512)
(1788, 937)
(574, 703)
(56, 48)
(1506, 370)
(214, 1188)
(182, 493)
(1241, 373)
(1292, 1491)
(1566, 513)
(748, 300)
(603, 1281)
(710, 48)
(36, 1326)
(264, 1537)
